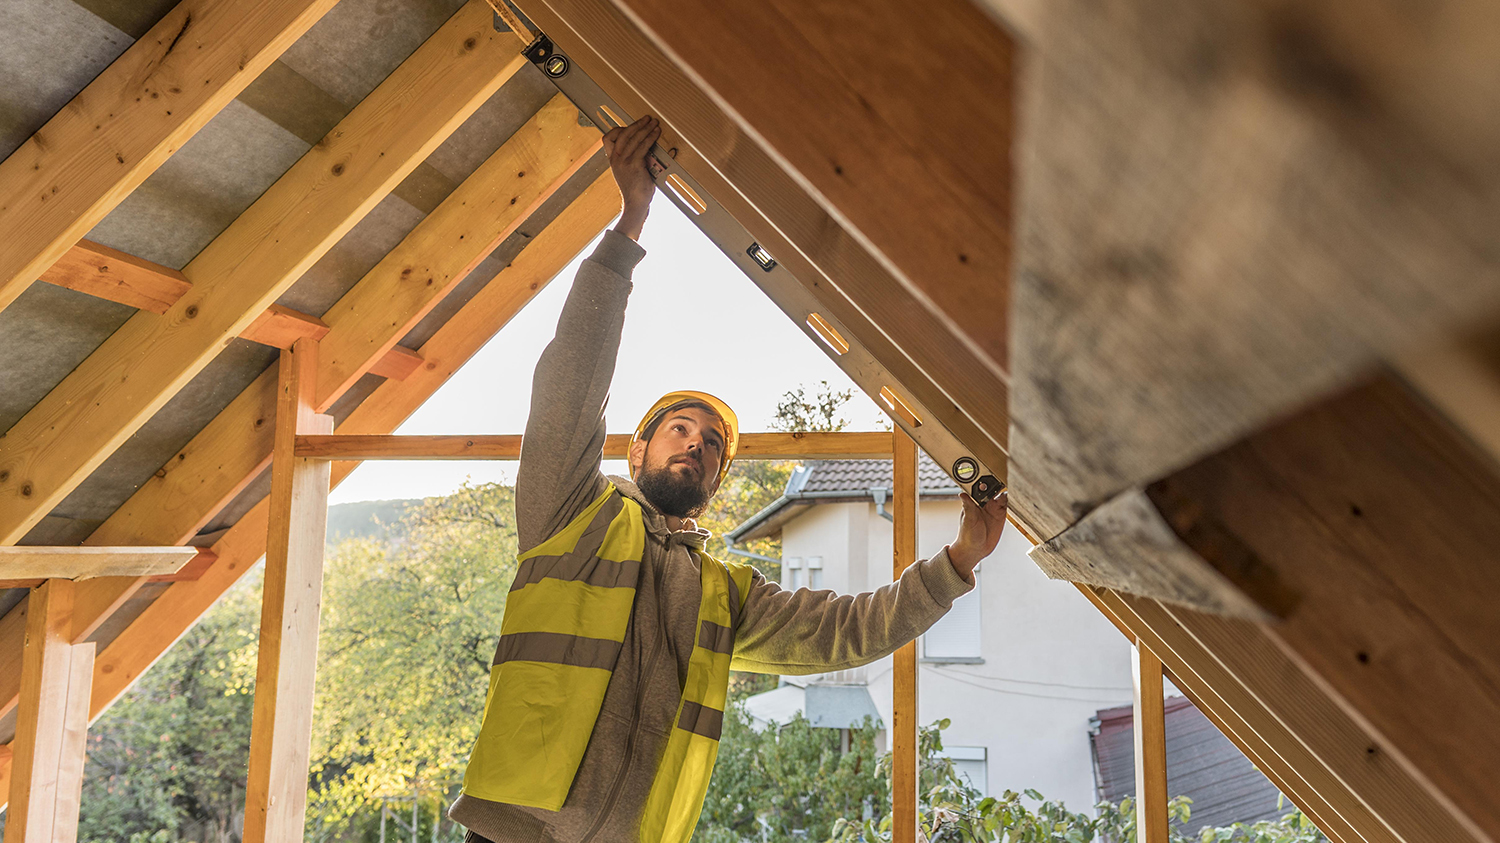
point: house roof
(838, 481)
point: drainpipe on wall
(879, 496)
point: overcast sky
(739, 346)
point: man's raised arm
(559, 472)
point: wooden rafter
(141, 643)
(238, 275)
(80, 563)
(129, 120)
(752, 446)
(959, 399)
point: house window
(794, 573)
(956, 636)
(815, 572)
(970, 763)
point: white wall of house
(1047, 660)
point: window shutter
(957, 634)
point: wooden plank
(281, 729)
(905, 767)
(107, 273)
(762, 446)
(52, 719)
(962, 402)
(242, 272)
(1460, 376)
(141, 643)
(1378, 515)
(852, 101)
(193, 503)
(280, 326)
(1173, 291)
(130, 119)
(194, 569)
(397, 363)
(1150, 747)
(1249, 726)
(446, 246)
(81, 563)
(1381, 516)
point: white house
(1020, 665)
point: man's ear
(637, 456)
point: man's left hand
(978, 532)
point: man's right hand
(626, 149)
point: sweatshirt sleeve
(559, 472)
(806, 631)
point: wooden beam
(82, 563)
(962, 402)
(141, 643)
(755, 446)
(281, 731)
(52, 720)
(397, 363)
(131, 118)
(110, 274)
(905, 769)
(1150, 748)
(1460, 376)
(280, 326)
(851, 100)
(236, 277)
(193, 570)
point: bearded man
(608, 686)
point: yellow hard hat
(675, 399)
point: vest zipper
(640, 702)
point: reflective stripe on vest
(564, 624)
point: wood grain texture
(281, 729)
(99, 147)
(48, 751)
(446, 246)
(241, 272)
(905, 769)
(1150, 734)
(762, 446)
(81, 563)
(854, 101)
(111, 274)
(1230, 209)
(280, 326)
(141, 643)
(961, 400)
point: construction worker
(607, 689)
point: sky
(748, 353)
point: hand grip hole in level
(610, 119)
(898, 407)
(688, 196)
(827, 333)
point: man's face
(678, 468)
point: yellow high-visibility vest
(564, 625)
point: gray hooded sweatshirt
(780, 632)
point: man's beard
(677, 496)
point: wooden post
(52, 720)
(281, 730)
(1150, 748)
(904, 770)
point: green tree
(409, 631)
(168, 761)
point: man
(607, 688)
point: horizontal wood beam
(178, 608)
(753, 446)
(131, 118)
(81, 563)
(143, 364)
(106, 273)
(397, 363)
